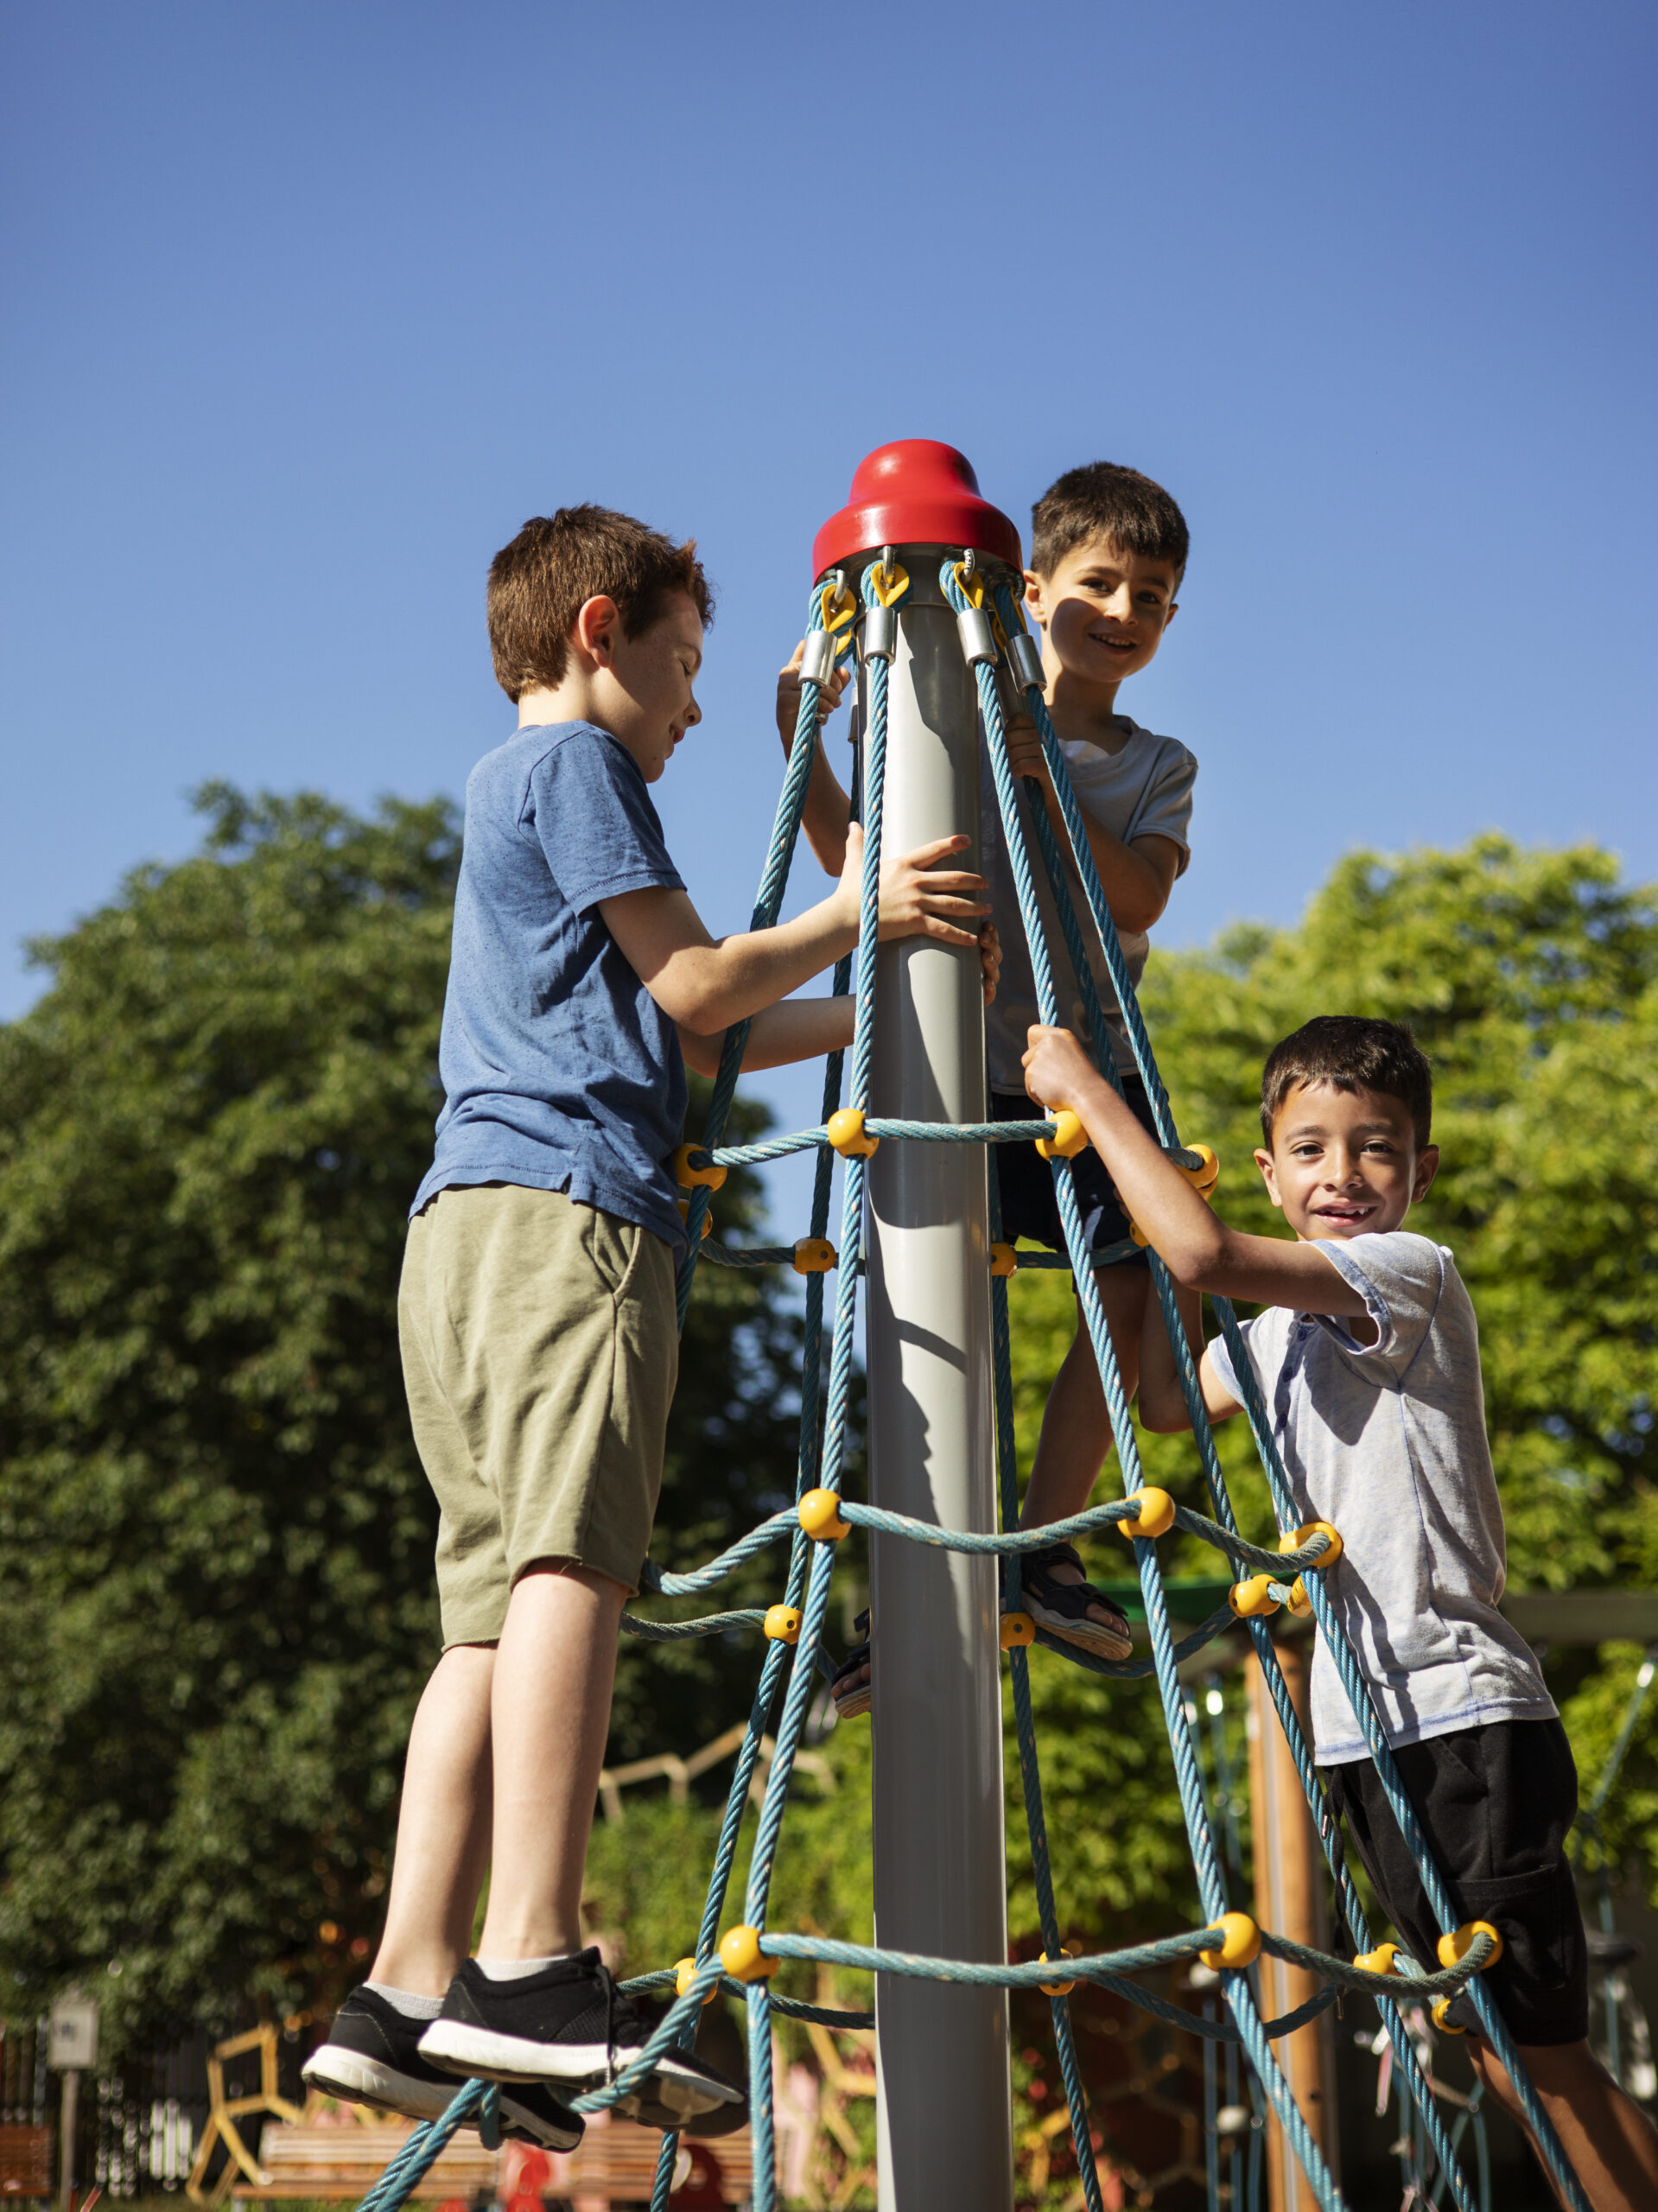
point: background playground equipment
(923, 575)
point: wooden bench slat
(340, 2162)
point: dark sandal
(1061, 1608)
(850, 1695)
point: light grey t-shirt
(1145, 787)
(1387, 1442)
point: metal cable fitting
(978, 639)
(1026, 656)
(817, 664)
(879, 633)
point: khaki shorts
(540, 1349)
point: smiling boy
(1367, 1360)
(536, 1310)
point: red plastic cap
(914, 493)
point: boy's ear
(594, 632)
(1033, 599)
(1269, 1176)
(1427, 1166)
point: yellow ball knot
(1156, 1514)
(782, 1624)
(1253, 1599)
(741, 1956)
(684, 1206)
(845, 1132)
(820, 1517)
(1240, 1942)
(814, 1255)
(1059, 1988)
(691, 1178)
(1454, 1947)
(1069, 1137)
(1139, 1236)
(1017, 1630)
(1441, 2006)
(1300, 1603)
(685, 1974)
(1305, 1535)
(1004, 1261)
(1381, 1961)
(1204, 1177)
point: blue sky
(309, 307)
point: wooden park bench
(25, 2162)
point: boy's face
(1344, 1163)
(1104, 610)
(644, 685)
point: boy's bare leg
(1610, 2141)
(555, 1669)
(1076, 1427)
(442, 1827)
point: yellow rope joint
(1454, 1947)
(1240, 1942)
(1156, 1515)
(1017, 1630)
(782, 1624)
(820, 1517)
(845, 1132)
(814, 1255)
(1059, 1988)
(1305, 1535)
(1068, 1138)
(1004, 1260)
(741, 1956)
(694, 1178)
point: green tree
(215, 1538)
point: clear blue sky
(307, 307)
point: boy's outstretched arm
(1200, 1251)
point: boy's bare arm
(1162, 1402)
(794, 1029)
(828, 810)
(1136, 877)
(1200, 1251)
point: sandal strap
(1050, 1555)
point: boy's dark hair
(1355, 1054)
(1103, 500)
(540, 582)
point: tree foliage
(215, 1538)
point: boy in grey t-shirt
(1367, 1360)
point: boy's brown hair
(540, 582)
(1104, 500)
(1354, 1053)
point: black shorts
(1495, 1803)
(1029, 1207)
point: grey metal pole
(945, 2128)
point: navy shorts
(1495, 1803)
(1029, 1207)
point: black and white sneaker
(372, 2057)
(569, 2024)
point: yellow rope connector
(782, 1624)
(820, 1517)
(685, 1214)
(1017, 1630)
(1156, 1515)
(741, 1956)
(1204, 1177)
(693, 1178)
(845, 1132)
(1454, 1949)
(685, 1974)
(838, 610)
(1299, 1604)
(1439, 2007)
(1381, 1961)
(1004, 1260)
(814, 1255)
(1253, 1599)
(1059, 1988)
(1240, 1942)
(1068, 1138)
(889, 585)
(1305, 1535)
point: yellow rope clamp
(1300, 1605)
(685, 1213)
(1068, 1138)
(839, 614)
(814, 1255)
(1454, 1947)
(685, 1974)
(1207, 1174)
(845, 1132)
(692, 1178)
(820, 1517)
(1004, 1261)
(1439, 2007)
(1240, 1942)
(782, 1624)
(1381, 1961)
(1059, 1988)
(889, 587)
(1156, 1515)
(741, 1956)
(1254, 1599)
(1017, 1630)
(1305, 1535)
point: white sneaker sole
(495, 2057)
(341, 2073)
(1088, 1636)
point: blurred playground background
(308, 310)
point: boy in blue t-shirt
(538, 1312)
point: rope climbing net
(1004, 657)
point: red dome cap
(914, 493)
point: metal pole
(945, 2131)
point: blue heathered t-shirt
(561, 1071)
